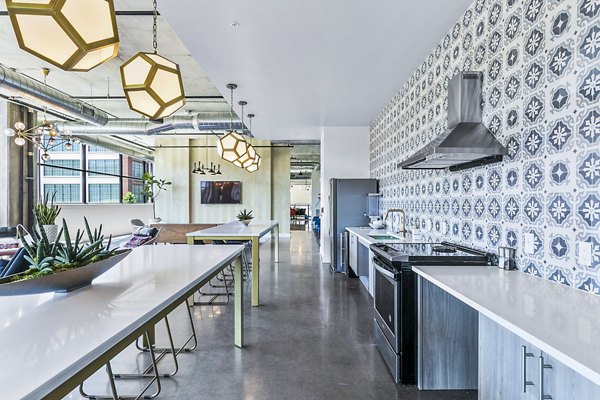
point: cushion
(137, 241)
(146, 231)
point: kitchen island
(535, 336)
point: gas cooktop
(443, 253)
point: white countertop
(237, 229)
(48, 338)
(559, 320)
(364, 235)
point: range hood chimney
(467, 142)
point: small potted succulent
(46, 215)
(245, 216)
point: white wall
(113, 217)
(344, 154)
(315, 202)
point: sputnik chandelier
(44, 136)
(257, 161)
(202, 169)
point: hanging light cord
(231, 110)
(242, 117)
(154, 28)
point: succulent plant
(245, 215)
(45, 257)
(46, 214)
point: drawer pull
(542, 368)
(525, 355)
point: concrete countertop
(561, 321)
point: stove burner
(443, 249)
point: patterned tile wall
(541, 64)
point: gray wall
(540, 60)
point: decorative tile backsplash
(541, 92)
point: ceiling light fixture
(74, 35)
(231, 146)
(257, 161)
(43, 136)
(245, 159)
(153, 84)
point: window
(137, 189)
(137, 168)
(60, 146)
(96, 149)
(65, 193)
(49, 171)
(104, 193)
(105, 166)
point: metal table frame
(236, 231)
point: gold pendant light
(247, 157)
(74, 35)
(232, 146)
(152, 84)
(256, 161)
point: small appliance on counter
(395, 297)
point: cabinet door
(562, 383)
(501, 364)
(353, 257)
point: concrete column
(4, 161)
(280, 188)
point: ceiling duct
(17, 84)
(203, 123)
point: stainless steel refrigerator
(347, 207)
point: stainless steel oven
(386, 301)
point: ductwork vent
(19, 85)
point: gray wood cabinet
(510, 368)
(447, 337)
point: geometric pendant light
(232, 146)
(152, 84)
(255, 163)
(247, 157)
(73, 35)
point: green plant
(46, 214)
(245, 215)
(153, 186)
(47, 257)
(129, 198)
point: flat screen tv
(221, 192)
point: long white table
(50, 343)
(238, 231)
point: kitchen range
(395, 297)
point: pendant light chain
(154, 27)
(242, 104)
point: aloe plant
(46, 214)
(45, 257)
(244, 215)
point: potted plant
(245, 216)
(61, 265)
(129, 198)
(46, 215)
(152, 188)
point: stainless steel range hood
(467, 142)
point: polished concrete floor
(311, 338)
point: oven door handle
(383, 271)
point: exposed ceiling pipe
(17, 84)
(203, 123)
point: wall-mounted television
(221, 192)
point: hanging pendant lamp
(247, 157)
(233, 145)
(74, 35)
(256, 162)
(153, 84)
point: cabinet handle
(542, 368)
(525, 354)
